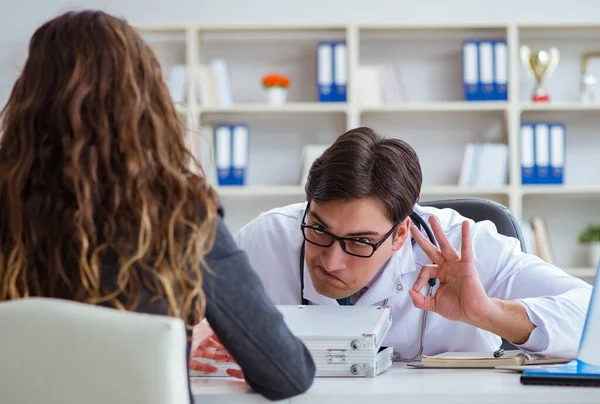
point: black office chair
(483, 209)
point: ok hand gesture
(460, 295)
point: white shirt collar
(389, 281)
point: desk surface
(404, 385)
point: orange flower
(275, 80)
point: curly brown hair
(93, 165)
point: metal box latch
(335, 356)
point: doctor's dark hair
(95, 173)
(363, 164)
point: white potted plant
(590, 237)
(276, 87)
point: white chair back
(60, 352)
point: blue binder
(486, 70)
(528, 168)
(223, 153)
(557, 153)
(470, 67)
(240, 140)
(340, 71)
(542, 153)
(325, 84)
(500, 92)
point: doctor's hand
(205, 344)
(460, 295)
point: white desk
(406, 385)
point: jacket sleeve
(275, 363)
(555, 302)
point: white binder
(345, 341)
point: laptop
(584, 370)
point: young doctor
(452, 284)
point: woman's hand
(205, 344)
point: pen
(498, 353)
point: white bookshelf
(267, 191)
(439, 106)
(288, 108)
(560, 107)
(434, 119)
(561, 190)
(297, 190)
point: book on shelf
(484, 165)
(528, 237)
(206, 86)
(537, 239)
(542, 239)
(487, 359)
(213, 83)
(201, 144)
(310, 152)
(177, 82)
(378, 84)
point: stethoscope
(422, 225)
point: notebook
(487, 359)
(521, 368)
(584, 370)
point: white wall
(19, 19)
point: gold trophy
(540, 64)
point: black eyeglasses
(351, 245)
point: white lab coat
(555, 301)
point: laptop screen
(589, 347)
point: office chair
(61, 352)
(483, 209)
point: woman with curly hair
(98, 203)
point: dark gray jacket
(275, 363)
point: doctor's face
(335, 273)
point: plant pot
(593, 254)
(276, 95)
